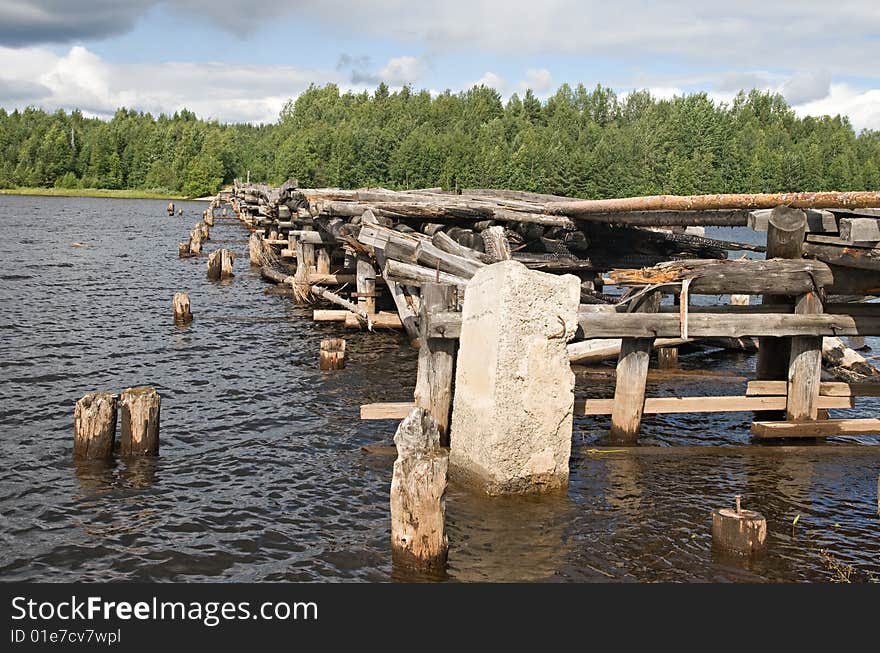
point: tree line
(579, 142)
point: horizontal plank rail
(826, 389)
(653, 405)
(816, 429)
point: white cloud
(862, 107)
(491, 80)
(81, 79)
(400, 71)
(538, 80)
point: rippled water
(261, 474)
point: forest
(578, 142)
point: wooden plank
(380, 320)
(366, 284)
(826, 389)
(805, 366)
(325, 315)
(818, 220)
(858, 230)
(722, 404)
(387, 410)
(825, 428)
(821, 239)
(853, 257)
(725, 325)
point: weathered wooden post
(418, 488)
(94, 426)
(182, 312)
(667, 358)
(170, 208)
(214, 261)
(436, 369)
(227, 259)
(632, 376)
(209, 217)
(255, 248)
(180, 212)
(323, 260)
(785, 239)
(224, 212)
(195, 240)
(366, 284)
(332, 354)
(734, 530)
(805, 367)
(183, 250)
(495, 243)
(514, 388)
(206, 233)
(140, 422)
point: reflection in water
(261, 476)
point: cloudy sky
(239, 60)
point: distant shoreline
(130, 194)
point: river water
(262, 476)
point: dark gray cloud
(358, 68)
(21, 92)
(29, 22)
(806, 87)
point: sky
(241, 60)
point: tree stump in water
(215, 259)
(94, 426)
(227, 258)
(332, 354)
(734, 530)
(418, 488)
(255, 249)
(140, 422)
(182, 312)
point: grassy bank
(131, 194)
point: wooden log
(215, 261)
(823, 200)
(588, 352)
(714, 404)
(227, 259)
(332, 354)
(94, 426)
(436, 369)
(523, 217)
(709, 218)
(332, 279)
(853, 281)
(405, 310)
(444, 242)
(387, 410)
(857, 230)
(181, 305)
(785, 240)
(320, 291)
(378, 320)
(712, 277)
(825, 428)
(805, 366)
(495, 244)
(418, 489)
(415, 275)
(737, 531)
(632, 375)
(325, 315)
(853, 257)
(140, 422)
(255, 248)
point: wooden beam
(388, 410)
(825, 428)
(818, 220)
(858, 230)
(826, 389)
(723, 404)
(853, 257)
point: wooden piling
(436, 368)
(322, 264)
(206, 233)
(738, 531)
(182, 312)
(214, 262)
(667, 358)
(94, 426)
(805, 367)
(332, 354)
(632, 376)
(209, 217)
(418, 488)
(366, 284)
(170, 208)
(227, 259)
(140, 422)
(195, 240)
(183, 250)
(255, 248)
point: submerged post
(738, 531)
(332, 354)
(436, 359)
(94, 426)
(140, 422)
(514, 388)
(255, 248)
(418, 488)
(182, 312)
